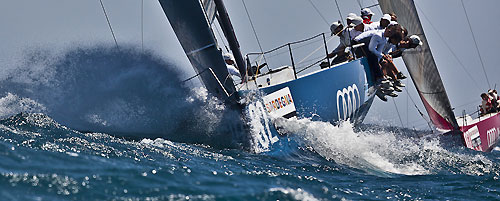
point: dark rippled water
(46, 101)
(42, 160)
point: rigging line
(322, 17)
(466, 104)
(448, 46)
(359, 3)
(109, 24)
(379, 8)
(420, 112)
(142, 25)
(475, 43)
(254, 32)
(313, 52)
(407, 107)
(340, 13)
(397, 111)
(198, 74)
(374, 5)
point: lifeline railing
(290, 50)
(297, 66)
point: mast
(422, 67)
(228, 30)
(197, 39)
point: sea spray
(123, 92)
(261, 133)
(379, 151)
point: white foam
(12, 104)
(297, 194)
(261, 137)
(382, 152)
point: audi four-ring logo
(348, 101)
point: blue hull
(344, 92)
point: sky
(62, 24)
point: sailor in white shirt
(376, 40)
(378, 46)
(349, 18)
(407, 43)
(366, 35)
(382, 24)
(358, 27)
(338, 29)
(231, 69)
(373, 60)
(345, 41)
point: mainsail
(422, 67)
(197, 39)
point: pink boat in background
(481, 134)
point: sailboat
(337, 93)
(481, 134)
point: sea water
(50, 104)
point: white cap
(228, 56)
(386, 17)
(334, 26)
(366, 12)
(416, 40)
(351, 16)
(356, 21)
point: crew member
(349, 18)
(338, 29)
(367, 15)
(358, 27)
(486, 105)
(383, 23)
(407, 43)
(230, 64)
(494, 98)
(377, 41)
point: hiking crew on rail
(383, 41)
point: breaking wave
(386, 153)
(117, 91)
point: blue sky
(60, 24)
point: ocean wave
(123, 92)
(383, 152)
